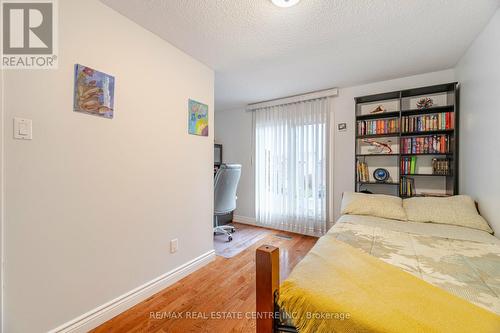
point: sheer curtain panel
(291, 148)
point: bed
(450, 273)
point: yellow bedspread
(338, 288)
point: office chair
(225, 185)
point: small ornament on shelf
(425, 103)
(441, 166)
(379, 109)
(379, 147)
(381, 175)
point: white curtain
(291, 153)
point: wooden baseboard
(105, 312)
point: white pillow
(380, 205)
(456, 210)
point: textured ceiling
(260, 51)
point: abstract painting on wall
(198, 118)
(94, 92)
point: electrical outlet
(174, 245)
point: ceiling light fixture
(285, 3)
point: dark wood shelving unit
(435, 109)
(424, 175)
(424, 133)
(374, 136)
(366, 155)
(394, 114)
(378, 183)
(403, 104)
(426, 154)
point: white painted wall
(233, 130)
(2, 197)
(92, 203)
(479, 74)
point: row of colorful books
(441, 166)
(408, 165)
(381, 126)
(407, 187)
(435, 144)
(432, 122)
(363, 174)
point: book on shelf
(407, 187)
(381, 126)
(408, 165)
(428, 122)
(441, 166)
(435, 144)
(363, 174)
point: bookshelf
(416, 143)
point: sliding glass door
(291, 166)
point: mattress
(462, 261)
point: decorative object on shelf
(381, 174)
(379, 147)
(94, 92)
(425, 103)
(379, 109)
(198, 118)
(441, 166)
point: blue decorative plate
(381, 175)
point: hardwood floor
(223, 288)
(244, 237)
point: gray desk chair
(225, 185)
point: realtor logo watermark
(29, 38)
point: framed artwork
(198, 118)
(94, 92)
(342, 127)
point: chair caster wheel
(229, 238)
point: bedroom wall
(479, 74)
(233, 130)
(92, 203)
(2, 196)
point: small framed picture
(94, 92)
(198, 118)
(342, 127)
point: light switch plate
(23, 129)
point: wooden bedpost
(267, 279)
